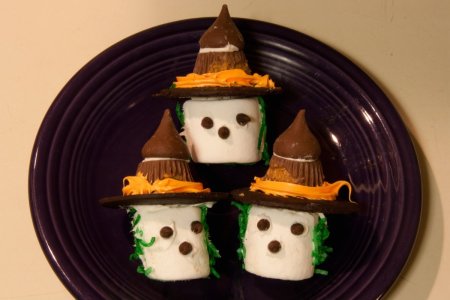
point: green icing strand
(133, 256)
(180, 113)
(320, 251)
(266, 155)
(149, 244)
(139, 243)
(214, 272)
(321, 272)
(138, 231)
(243, 221)
(131, 211)
(141, 270)
(212, 250)
(136, 220)
(263, 132)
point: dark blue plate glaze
(92, 134)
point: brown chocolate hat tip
(222, 32)
(297, 141)
(166, 141)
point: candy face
(179, 251)
(223, 130)
(278, 243)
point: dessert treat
(282, 221)
(168, 211)
(165, 154)
(221, 47)
(225, 131)
(224, 118)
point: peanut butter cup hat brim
(338, 206)
(163, 199)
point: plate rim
(56, 109)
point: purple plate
(92, 134)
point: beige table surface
(404, 45)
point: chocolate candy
(224, 132)
(222, 32)
(297, 229)
(207, 123)
(263, 224)
(297, 141)
(242, 119)
(185, 248)
(166, 232)
(196, 227)
(218, 91)
(166, 142)
(274, 246)
(339, 206)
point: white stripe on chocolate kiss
(163, 158)
(228, 48)
(305, 159)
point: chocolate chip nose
(274, 246)
(224, 132)
(185, 248)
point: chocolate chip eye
(263, 224)
(297, 229)
(166, 232)
(185, 248)
(242, 119)
(196, 227)
(224, 132)
(274, 246)
(207, 123)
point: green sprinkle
(139, 243)
(136, 221)
(131, 211)
(262, 132)
(141, 270)
(266, 155)
(243, 221)
(321, 272)
(149, 244)
(180, 114)
(213, 252)
(138, 232)
(148, 271)
(133, 256)
(138, 247)
(215, 273)
(320, 251)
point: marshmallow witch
(282, 222)
(224, 118)
(168, 210)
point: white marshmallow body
(206, 146)
(294, 260)
(164, 257)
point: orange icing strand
(327, 191)
(226, 78)
(139, 185)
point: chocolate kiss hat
(221, 49)
(295, 169)
(165, 157)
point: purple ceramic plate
(92, 134)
